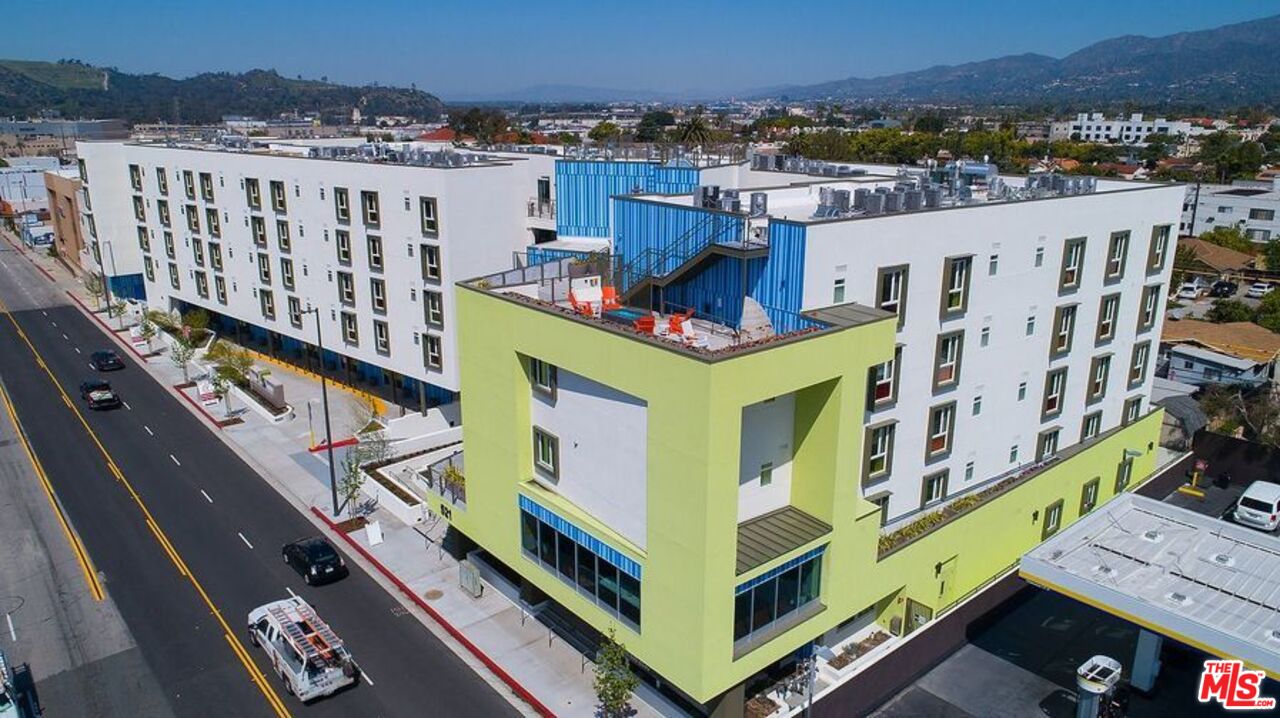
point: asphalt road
(223, 521)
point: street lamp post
(324, 397)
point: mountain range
(1226, 66)
(75, 89)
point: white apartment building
(1029, 316)
(1250, 206)
(373, 237)
(1097, 127)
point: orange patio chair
(609, 299)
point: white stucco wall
(768, 430)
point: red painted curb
(337, 444)
(104, 325)
(492, 665)
(199, 408)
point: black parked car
(1223, 288)
(315, 559)
(105, 361)
(99, 394)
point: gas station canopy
(1193, 578)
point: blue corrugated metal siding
(717, 290)
(127, 286)
(583, 189)
(640, 225)
(781, 284)
(542, 255)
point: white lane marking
(44, 312)
(64, 336)
(242, 538)
(206, 496)
(290, 590)
(13, 635)
(366, 677)
(126, 404)
(77, 350)
(55, 324)
(175, 459)
(149, 431)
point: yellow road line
(77, 547)
(268, 692)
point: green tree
(568, 138)
(93, 285)
(934, 124)
(1272, 254)
(1229, 310)
(604, 132)
(147, 330)
(695, 131)
(196, 319)
(1229, 237)
(117, 309)
(181, 353)
(614, 682)
(222, 390)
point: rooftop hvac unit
(912, 199)
(729, 193)
(779, 162)
(829, 170)
(759, 204)
(874, 204)
(730, 204)
(1090, 184)
(964, 193)
(932, 197)
(892, 202)
(840, 199)
(708, 195)
(882, 190)
(825, 198)
(844, 171)
(860, 197)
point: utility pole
(1195, 206)
(324, 397)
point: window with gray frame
(955, 286)
(1138, 364)
(878, 442)
(1089, 495)
(543, 377)
(1159, 248)
(1064, 330)
(933, 488)
(1072, 264)
(1052, 519)
(891, 291)
(599, 580)
(942, 422)
(1099, 373)
(1150, 308)
(946, 362)
(1055, 386)
(1108, 312)
(546, 454)
(1047, 444)
(1117, 254)
(760, 604)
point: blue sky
(468, 49)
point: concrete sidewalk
(505, 640)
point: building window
(977, 405)
(933, 488)
(1108, 308)
(264, 268)
(941, 428)
(346, 288)
(220, 288)
(543, 376)
(1264, 215)
(162, 181)
(139, 209)
(837, 291)
(1055, 384)
(430, 262)
(1064, 329)
(282, 235)
(602, 582)
(189, 183)
(268, 303)
(1099, 371)
(295, 312)
(884, 381)
(1117, 251)
(1031, 325)
(432, 354)
(259, 229)
(168, 246)
(197, 251)
(1124, 473)
(433, 308)
(1052, 519)
(546, 454)
(1013, 454)
(766, 473)
(1089, 495)
(993, 265)
(381, 337)
(369, 208)
(135, 178)
(1149, 310)
(1159, 248)
(342, 239)
(206, 186)
(253, 193)
(286, 273)
(211, 219)
(193, 218)
(891, 291)
(278, 196)
(149, 269)
(350, 330)
(879, 449)
(430, 219)
(1047, 444)
(946, 365)
(1138, 364)
(1091, 426)
(375, 252)
(173, 276)
(162, 210)
(378, 295)
(215, 256)
(1132, 409)
(341, 204)
(985, 337)
(1039, 256)
(762, 602)
(1072, 264)
(202, 285)
(955, 287)
(1022, 391)
(144, 239)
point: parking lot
(1196, 308)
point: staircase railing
(659, 263)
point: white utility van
(304, 651)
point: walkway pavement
(493, 633)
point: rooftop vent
(1180, 599)
(1153, 536)
(1223, 559)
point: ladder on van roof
(311, 636)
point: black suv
(315, 559)
(1223, 288)
(105, 361)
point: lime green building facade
(684, 572)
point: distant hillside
(1227, 66)
(78, 90)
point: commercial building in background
(819, 412)
(1248, 205)
(65, 217)
(1133, 130)
(55, 138)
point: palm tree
(695, 131)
